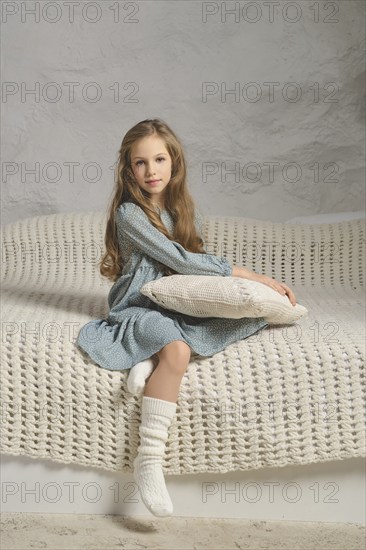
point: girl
(154, 230)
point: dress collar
(160, 209)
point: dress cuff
(227, 268)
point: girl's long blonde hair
(178, 200)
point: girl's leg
(165, 380)
(158, 410)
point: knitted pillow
(219, 296)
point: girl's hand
(283, 289)
(276, 285)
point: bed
(272, 427)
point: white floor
(322, 492)
(65, 531)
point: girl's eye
(159, 158)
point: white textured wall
(169, 50)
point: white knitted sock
(137, 376)
(156, 417)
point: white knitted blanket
(290, 394)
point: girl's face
(152, 167)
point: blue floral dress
(136, 327)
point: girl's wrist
(243, 272)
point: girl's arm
(135, 226)
(283, 289)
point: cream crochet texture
(290, 394)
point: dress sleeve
(134, 225)
(199, 223)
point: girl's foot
(156, 417)
(138, 375)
